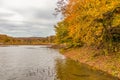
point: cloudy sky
(27, 18)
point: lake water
(42, 63)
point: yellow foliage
(88, 20)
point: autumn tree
(90, 22)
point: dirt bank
(96, 59)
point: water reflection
(71, 70)
(42, 63)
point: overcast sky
(27, 18)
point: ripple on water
(42, 63)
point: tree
(89, 21)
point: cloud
(25, 18)
(26, 29)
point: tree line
(7, 40)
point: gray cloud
(28, 20)
(27, 29)
(6, 14)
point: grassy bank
(95, 58)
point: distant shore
(26, 44)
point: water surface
(42, 63)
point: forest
(7, 40)
(90, 23)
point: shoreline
(24, 44)
(106, 63)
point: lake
(43, 63)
